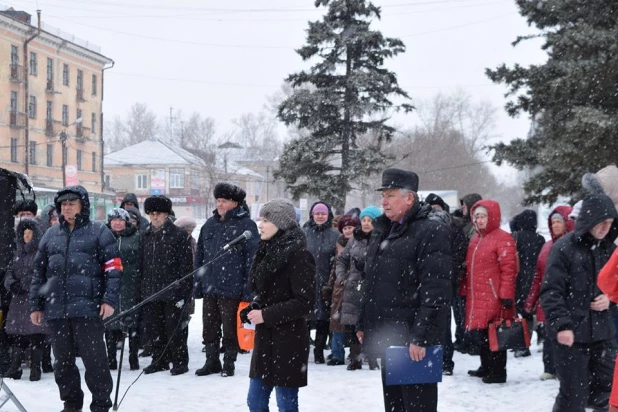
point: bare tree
(256, 130)
(141, 124)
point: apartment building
(51, 94)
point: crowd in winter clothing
(365, 280)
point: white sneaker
(547, 376)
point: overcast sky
(223, 58)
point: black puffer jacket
(282, 276)
(529, 245)
(227, 276)
(570, 281)
(407, 286)
(75, 271)
(166, 257)
(458, 242)
(321, 242)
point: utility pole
(267, 196)
(63, 141)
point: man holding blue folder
(407, 287)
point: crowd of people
(366, 280)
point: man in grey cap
(407, 286)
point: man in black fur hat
(222, 284)
(167, 256)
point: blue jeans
(259, 395)
(337, 347)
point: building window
(33, 64)
(195, 179)
(48, 110)
(141, 182)
(65, 115)
(14, 149)
(32, 153)
(94, 161)
(50, 155)
(32, 107)
(94, 123)
(79, 116)
(107, 181)
(177, 178)
(80, 80)
(13, 101)
(79, 159)
(50, 69)
(14, 56)
(65, 74)
(65, 155)
(94, 84)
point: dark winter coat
(469, 200)
(350, 275)
(130, 197)
(130, 248)
(492, 269)
(227, 276)
(570, 282)
(464, 223)
(76, 271)
(18, 279)
(458, 242)
(166, 257)
(45, 224)
(532, 301)
(283, 276)
(529, 244)
(333, 292)
(321, 242)
(407, 282)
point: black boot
(228, 368)
(46, 363)
(133, 349)
(35, 364)
(213, 364)
(318, 356)
(14, 371)
(110, 341)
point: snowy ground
(331, 388)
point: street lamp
(63, 140)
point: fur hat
(158, 203)
(280, 212)
(25, 206)
(347, 220)
(434, 199)
(230, 192)
(118, 213)
(186, 223)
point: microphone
(242, 238)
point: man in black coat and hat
(577, 312)
(407, 288)
(167, 257)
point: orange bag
(245, 336)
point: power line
(474, 23)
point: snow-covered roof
(151, 152)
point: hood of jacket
(596, 209)
(564, 211)
(129, 197)
(80, 191)
(127, 231)
(45, 224)
(526, 220)
(440, 216)
(603, 182)
(329, 222)
(32, 224)
(493, 218)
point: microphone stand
(149, 299)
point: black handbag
(507, 334)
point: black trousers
(36, 340)
(163, 323)
(449, 348)
(322, 328)
(219, 312)
(493, 362)
(85, 335)
(459, 312)
(548, 356)
(409, 398)
(585, 372)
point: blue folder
(400, 369)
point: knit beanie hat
(372, 211)
(281, 213)
(479, 210)
(557, 216)
(118, 213)
(319, 208)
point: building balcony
(16, 73)
(82, 133)
(80, 95)
(49, 88)
(52, 127)
(17, 119)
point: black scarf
(273, 254)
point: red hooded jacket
(491, 269)
(535, 290)
(608, 283)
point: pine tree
(572, 97)
(346, 94)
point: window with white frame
(177, 178)
(141, 182)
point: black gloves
(359, 264)
(244, 313)
(507, 303)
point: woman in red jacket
(491, 271)
(559, 224)
(608, 283)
